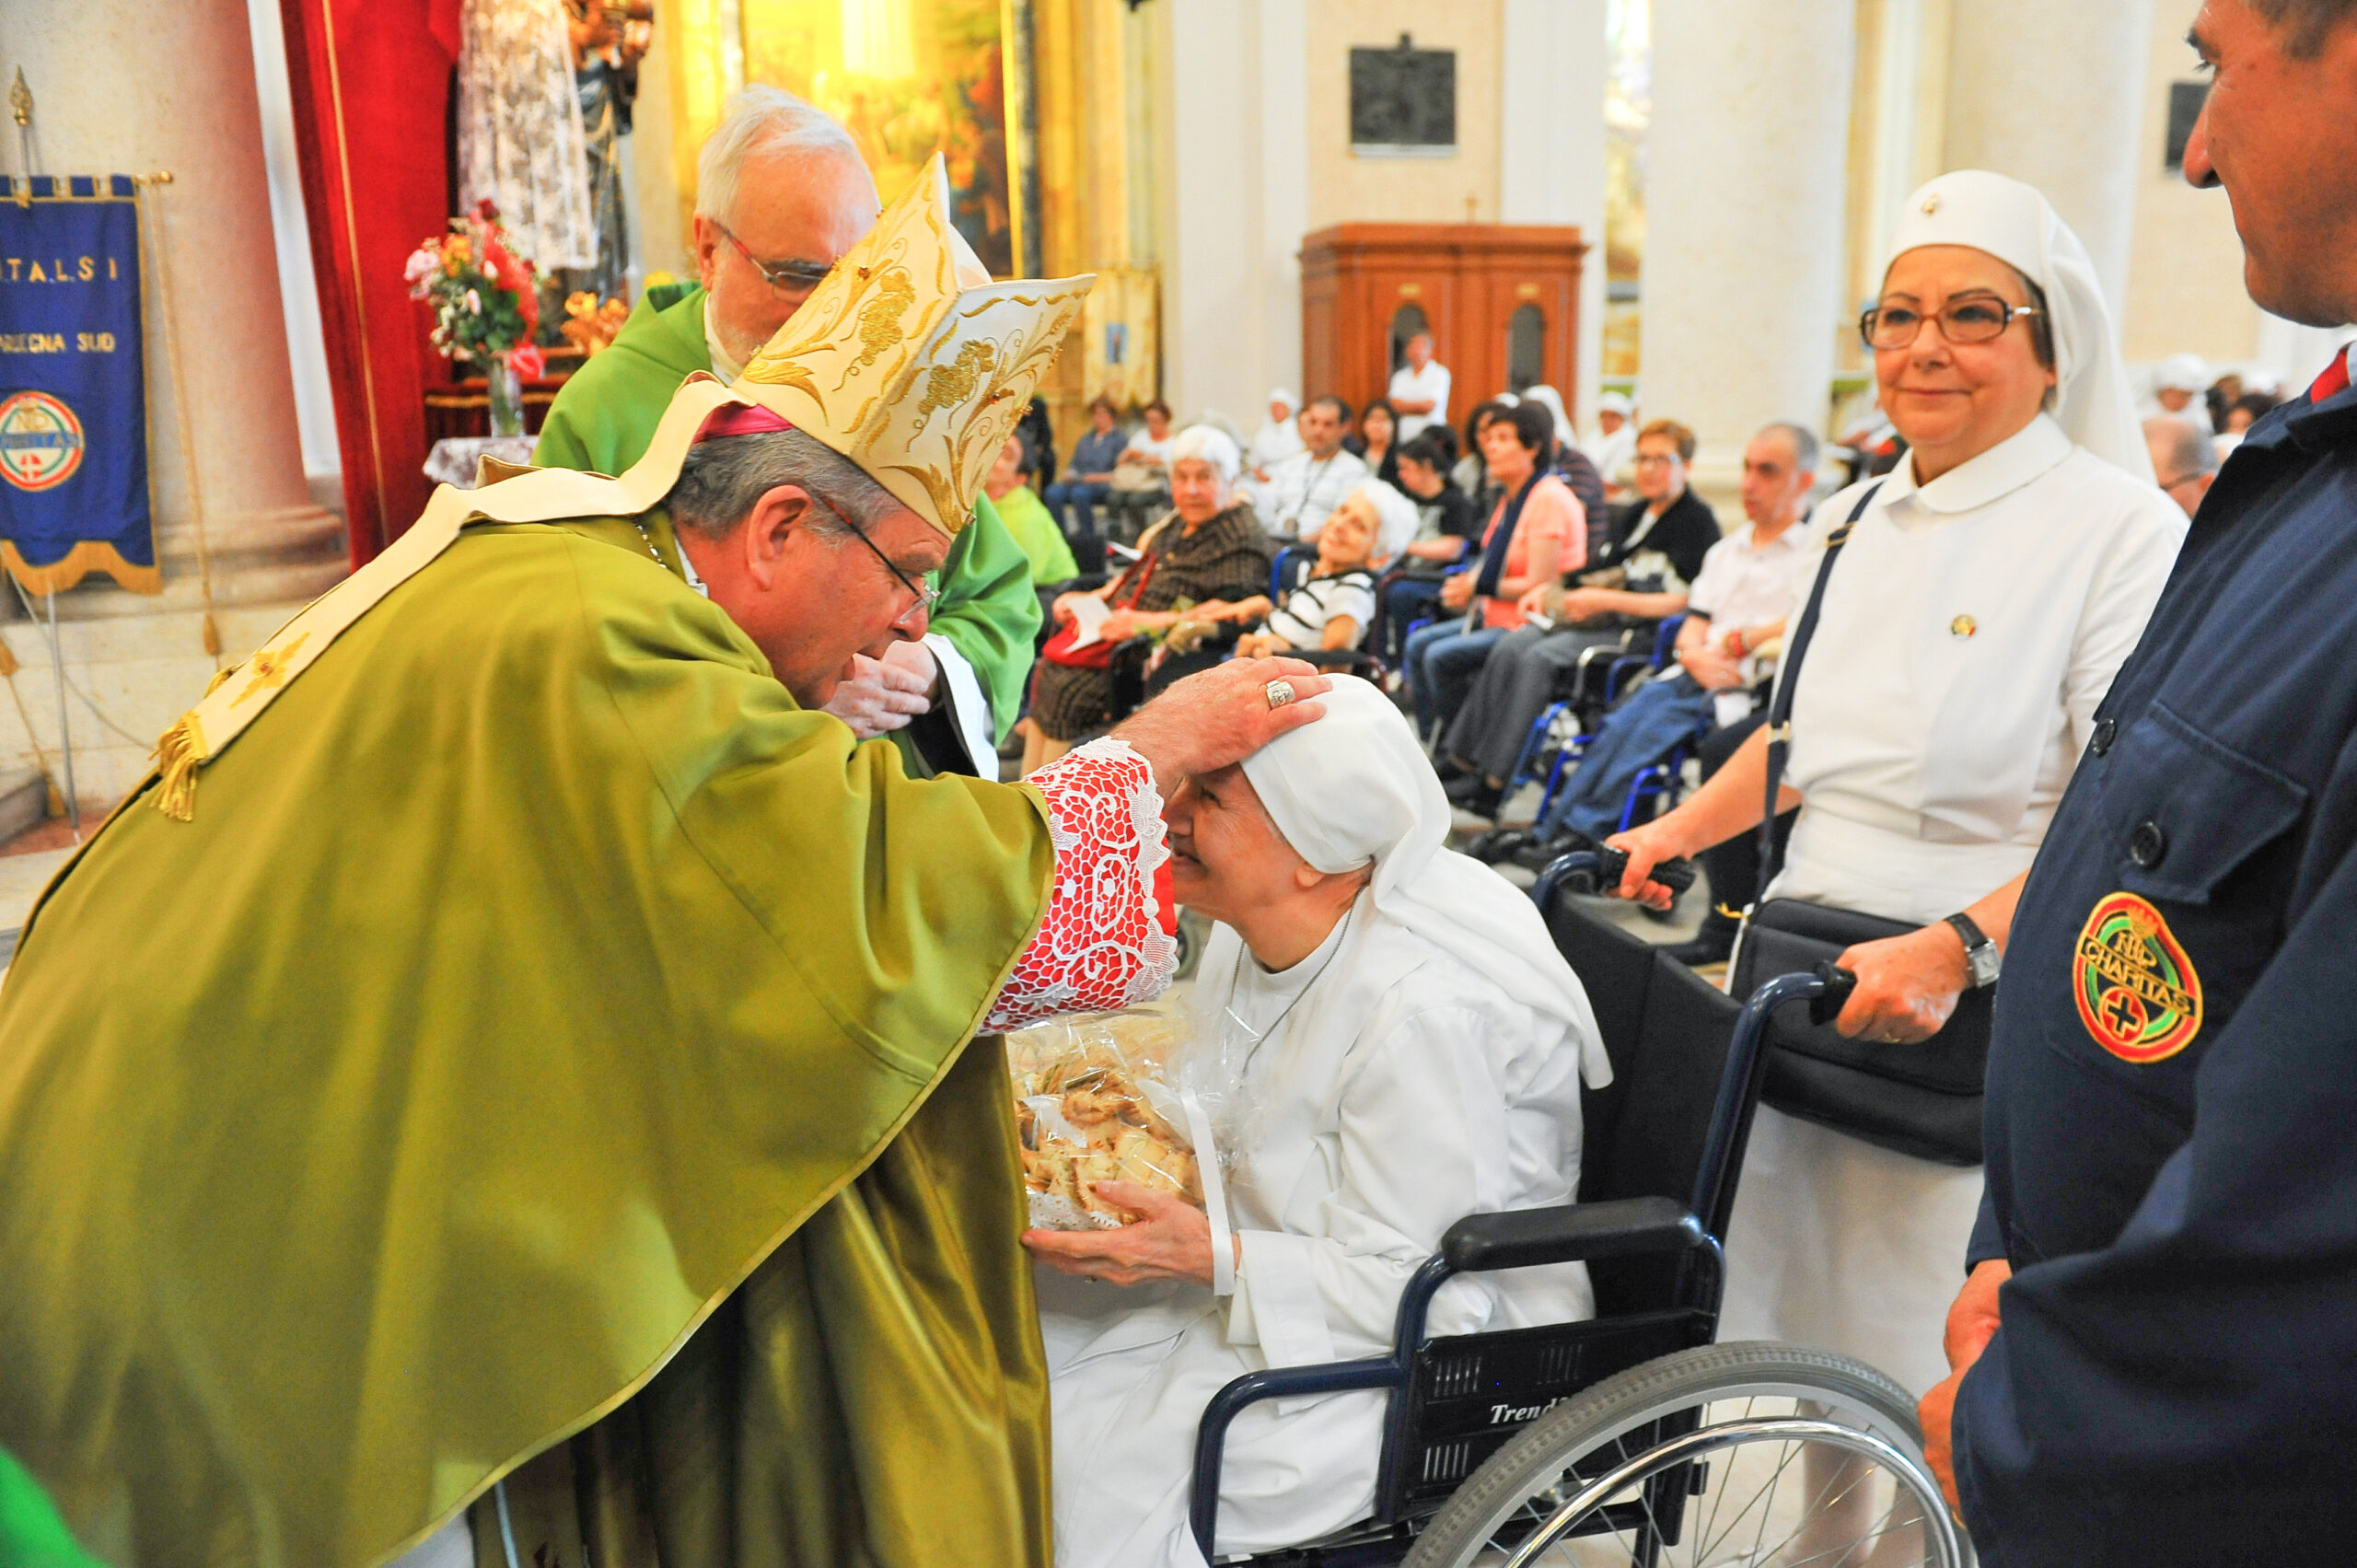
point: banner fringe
(91, 556)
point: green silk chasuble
(606, 413)
(532, 976)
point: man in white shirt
(1419, 389)
(1306, 487)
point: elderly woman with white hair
(1210, 546)
(1402, 1046)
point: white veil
(2093, 400)
(1355, 787)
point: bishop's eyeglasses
(924, 593)
(1972, 319)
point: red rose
(530, 362)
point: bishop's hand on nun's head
(1223, 716)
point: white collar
(1795, 534)
(727, 369)
(2029, 453)
(689, 566)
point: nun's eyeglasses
(1973, 319)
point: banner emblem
(40, 441)
(2137, 992)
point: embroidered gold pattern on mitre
(946, 385)
(270, 667)
(879, 319)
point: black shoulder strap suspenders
(1779, 702)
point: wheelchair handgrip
(1612, 865)
(1825, 1005)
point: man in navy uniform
(2157, 1346)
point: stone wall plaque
(1403, 102)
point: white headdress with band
(2014, 223)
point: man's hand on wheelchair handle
(1972, 1322)
(1171, 1239)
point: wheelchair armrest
(1523, 1238)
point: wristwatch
(1981, 955)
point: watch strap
(1981, 955)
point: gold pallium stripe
(91, 556)
(541, 496)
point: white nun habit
(1422, 1065)
(1967, 633)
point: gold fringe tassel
(176, 758)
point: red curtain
(371, 86)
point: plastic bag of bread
(1094, 1102)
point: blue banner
(73, 386)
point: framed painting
(909, 78)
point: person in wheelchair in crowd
(1329, 612)
(1986, 592)
(1209, 546)
(1537, 532)
(1655, 546)
(1403, 1046)
(1749, 584)
(1446, 525)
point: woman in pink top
(1538, 533)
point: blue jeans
(1637, 733)
(1079, 496)
(1442, 661)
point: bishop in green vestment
(607, 412)
(512, 1030)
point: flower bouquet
(486, 307)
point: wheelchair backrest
(1667, 1032)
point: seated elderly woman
(1403, 1046)
(1209, 547)
(1331, 611)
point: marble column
(128, 87)
(1747, 164)
(1551, 154)
(2054, 95)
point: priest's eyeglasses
(788, 277)
(925, 595)
(1974, 319)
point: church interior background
(1696, 192)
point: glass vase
(506, 398)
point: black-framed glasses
(926, 594)
(1975, 319)
(789, 274)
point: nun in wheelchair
(1401, 1045)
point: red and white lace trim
(1109, 938)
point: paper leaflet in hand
(1093, 1101)
(1088, 613)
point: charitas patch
(2136, 988)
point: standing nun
(1988, 595)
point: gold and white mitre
(908, 361)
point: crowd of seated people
(1749, 585)
(1446, 525)
(1645, 554)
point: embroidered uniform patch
(2137, 992)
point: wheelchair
(1633, 1437)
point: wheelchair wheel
(1758, 1455)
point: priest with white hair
(1392, 1042)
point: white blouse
(1969, 629)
